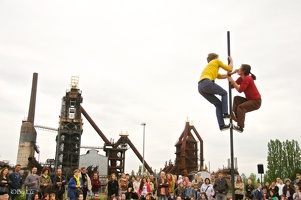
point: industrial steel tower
(28, 134)
(70, 130)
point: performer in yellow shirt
(208, 88)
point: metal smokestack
(32, 103)
(28, 134)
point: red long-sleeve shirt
(248, 86)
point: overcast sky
(140, 61)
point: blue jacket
(72, 187)
(16, 180)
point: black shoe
(226, 116)
(238, 129)
(224, 127)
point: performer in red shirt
(252, 101)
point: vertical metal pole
(143, 124)
(231, 129)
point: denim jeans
(208, 89)
(29, 193)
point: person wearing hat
(288, 190)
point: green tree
(283, 160)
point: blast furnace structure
(70, 130)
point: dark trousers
(59, 194)
(239, 196)
(85, 191)
(208, 89)
(241, 106)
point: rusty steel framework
(116, 151)
(69, 137)
(187, 152)
(70, 130)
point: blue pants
(208, 89)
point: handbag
(4, 190)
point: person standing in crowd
(298, 181)
(251, 102)
(297, 194)
(258, 193)
(196, 192)
(87, 182)
(189, 191)
(4, 182)
(96, 185)
(208, 189)
(200, 182)
(144, 188)
(265, 194)
(151, 176)
(249, 190)
(195, 180)
(163, 185)
(45, 181)
(16, 183)
(212, 179)
(280, 186)
(288, 190)
(75, 186)
(151, 184)
(179, 191)
(113, 187)
(275, 188)
(171, 183)
(131, 181)
(123, 183)
(221, 187)
(208, 88)
(59, 182)
(239, 187)
(32, 182)
(136, 184)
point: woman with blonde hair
(113, 187)
(171, 183)
(75, 185)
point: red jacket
(96, 185)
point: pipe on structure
(90, 120)
(149, 169)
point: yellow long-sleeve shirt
(211, 70)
